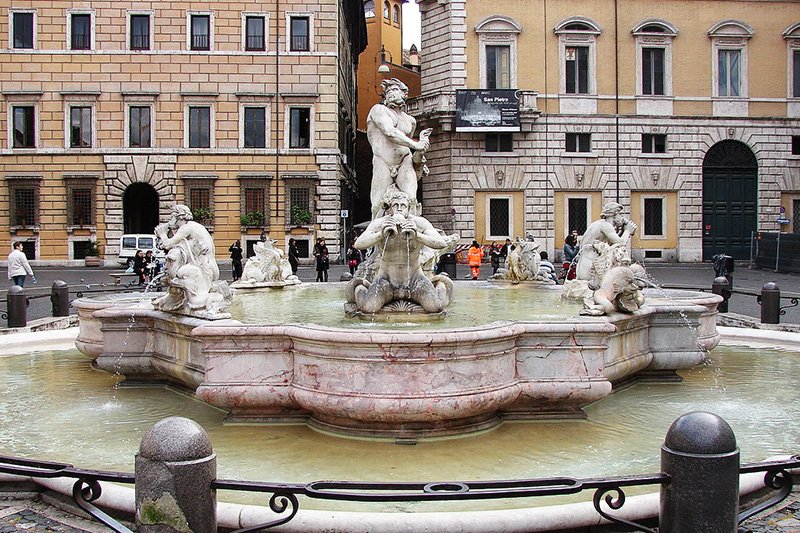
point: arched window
(497, 37)
(369, 9)
(396, 14)
(386, 10)
(577, 49)
(729, 40)
(654, 63)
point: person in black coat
(294, 256)
(139, 264)
(321, 254)
(236, 260)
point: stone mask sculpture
(192, 274)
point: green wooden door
(730, 195)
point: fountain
(399, 382)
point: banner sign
(487, 110)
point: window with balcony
(80, 127)
(139, 134)
(139, 32)
(299, 36)
(498, 67)
(200, 32)
(23, 30)
(497, 40)
(255, 33)
(299, 127)
(80, 31)
(24, 126)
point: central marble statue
(399, 284)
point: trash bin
(447, 265)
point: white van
(128, 244)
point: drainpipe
(277, 109)
(616, 92)
(547, 134)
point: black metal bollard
(721, 287)
(700, 456)
(17, 305)
(59, 298)
(770, 300)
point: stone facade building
(114, 111)
(686, 112)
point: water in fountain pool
(474, 304)
(55, 406)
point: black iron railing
(609, 493)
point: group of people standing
(145, 265)
(237, 254)
(498, 254)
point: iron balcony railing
(285, 504)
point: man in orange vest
(474, 256)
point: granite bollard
(174, 470)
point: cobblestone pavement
(31, 514)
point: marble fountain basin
(411, 382)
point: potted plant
(202, 214)
(253, 218)
(92, 258)
(299, 215)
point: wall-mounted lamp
(384, 66)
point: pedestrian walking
(474, 257)
(353, 258)
(18, 266)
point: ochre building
(114, 111)
(685, 112)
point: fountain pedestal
(399, 384)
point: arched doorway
(730, 198)
(139, 208)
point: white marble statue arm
(384, 121)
